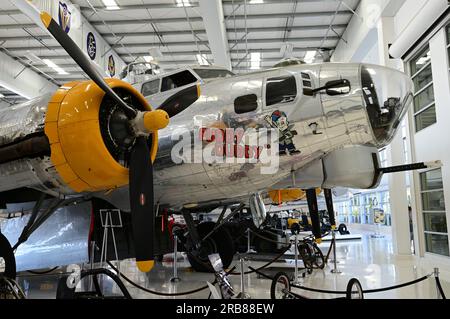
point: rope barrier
(398, 286)
(344, 292)
(34, 272)
(265, 265)
(370, 291)
(333, 242)
(231, 271)
(441, 291)
(268, 239)
(158, 293)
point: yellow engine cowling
(78, 151)
(289, 195)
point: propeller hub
(151, 121)
(155, 120)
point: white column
(214, 20)
(397, 181)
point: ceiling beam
(10, 12)
(194, 4)
(185, 43)
(336, 27)
(163, 64)
(18, 26)
(238, 17)
(192, 53)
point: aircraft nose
(388, 94)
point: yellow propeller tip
(46, 18)
(145, 266)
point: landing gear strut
(330, 208)
(209, 238)
(311, 197)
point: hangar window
(434, 216)
(422, 76)
(281, 90)
(177, 80)
(150, 88)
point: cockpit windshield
(387, 94)
(139, 68)
(213, 73)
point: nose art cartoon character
(280, 121)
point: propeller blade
(141, 203)
(82, 60)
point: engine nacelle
(79, 124)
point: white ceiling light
(52, 65)
(256, 1)
(310, 56)
(183, 3)
(148, 58)
(110, 5)
(201, 59)
(255, 60)
(155, 52)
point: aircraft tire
(7, 254)
(342, 229)
(306, 255)
(279, 283)
(220, 242)
(354, 289)
(63, 291)
(319, 261)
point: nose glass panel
(387, 95)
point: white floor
(370, 260)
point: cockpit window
(386, 95)
(180, 101)
(281, 90)
(213, 73)
(150, 88)
(177, 80)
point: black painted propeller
(141, 201)
(141, 167)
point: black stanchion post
(243, 294)
(436, 276)
(249, 247)
(334, 270)
(296, 274)
(175, 277)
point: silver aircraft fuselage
(326, 139)
(322, 124)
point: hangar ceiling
(263, 27)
